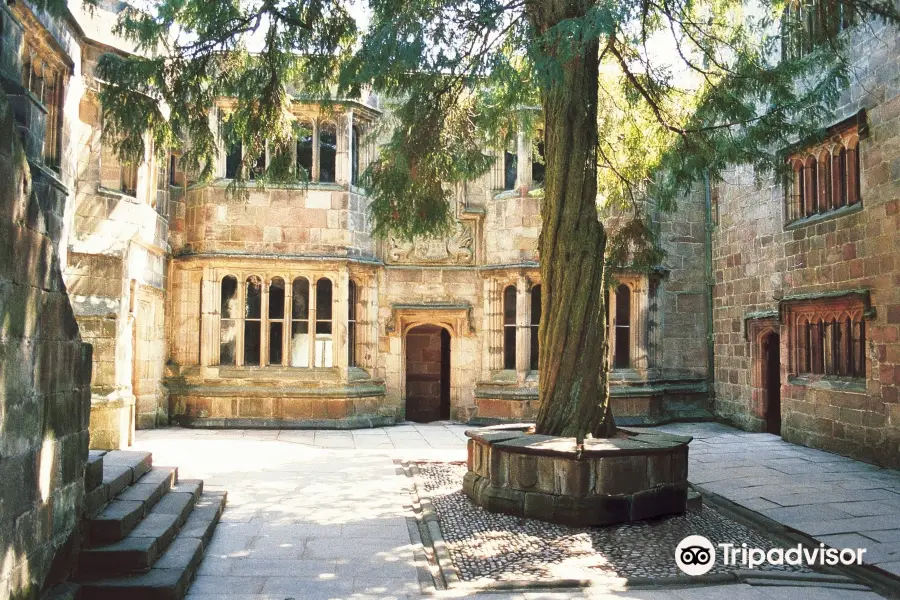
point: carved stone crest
(457, 248)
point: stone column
(287, 334)
(523, 333)
(640, 309)
(209, 318)
(313, 281)
(264, 324)
(342, 158)
(340, 312)
(523, 156)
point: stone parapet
(636, 476)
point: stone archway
(427, 373)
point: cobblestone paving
(491, 547)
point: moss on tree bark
(574, 395)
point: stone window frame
(806, 24)
(638, 347)
(345, 125)
(826, 338)
(48, 98)
(825, 178)
(332, 360)
(138, 182)
(524, 148)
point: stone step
(93, 470)
(122, 515)
(121, 468)
(171, 575)
(63, 591)
(138, 551)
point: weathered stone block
(621, 474)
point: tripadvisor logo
(696, 555)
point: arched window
(351, 323)
(305, 150)
(324, 339)
(826, 180)
(622, 356)
(510, 170)
(799, 189)
(812, 188)
(354, 151)
(252, 321)
(535, 325)
(840, 177)
(276, 321)
(853, 172)
(327, 152)
(228, 311)
(509, 327)
(300, 322)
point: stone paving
(322, 515)
(836, 500)
(489, 547)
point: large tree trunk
(574, 393)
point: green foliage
(687, 88)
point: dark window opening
(354, 150)
(233, 160)
(253, 321)
(538, 164)
(305, 152)
(535, 325)
(327, 153)
(351, 323)
(622, 356)
(276, 321)
(509, 327)
(510, 170)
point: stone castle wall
(45, 372)
(760, 263)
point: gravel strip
(488, 547)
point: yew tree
(638, 100)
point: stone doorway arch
(427, 362)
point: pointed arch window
(826, 177)
(827, 337)
(509, 327)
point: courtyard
(330, 515)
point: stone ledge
(357, 422)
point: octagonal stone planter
(636, 476)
